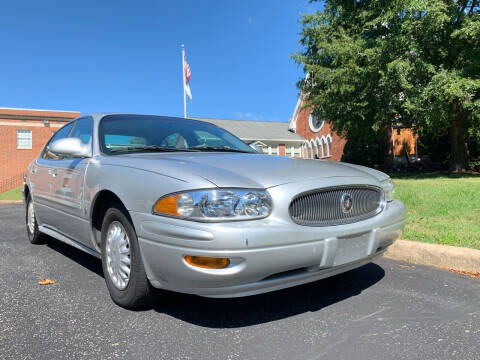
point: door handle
(53, 172)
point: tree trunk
(458, 134)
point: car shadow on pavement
(87, 261)
(250, 310)
(258, 309)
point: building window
(329, 145)
(314, 149)
(315, 123)
(24, 139)
(323, 144)
(321, 149)
(308, 152)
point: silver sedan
(184, 205)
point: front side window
(83, 130)
(60, 134)
(140, 133)
(24, 139)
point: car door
(72, 219)
(44, 180)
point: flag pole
(183, 77)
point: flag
(188, 75)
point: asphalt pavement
(383, 310)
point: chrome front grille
(329, 206)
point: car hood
(241, 170)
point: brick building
(323, 143)
(23, 133)
(320, 142)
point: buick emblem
(347, 203)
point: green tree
(372, 63)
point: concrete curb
(442, 256)
(11, 201)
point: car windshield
(142, 133)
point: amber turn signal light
(207, 262)
(167, 205)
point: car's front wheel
(121, 261)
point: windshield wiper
(218, 148)
(153, 148)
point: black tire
(138, 292)
(35, 236)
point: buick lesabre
(183, 205)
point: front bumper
(266, 255)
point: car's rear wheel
(34, 235)
(121, 261)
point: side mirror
(257, 148)
(70, 147)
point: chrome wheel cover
(31, 218)
(118, 255)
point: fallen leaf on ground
(46, 282)
(467, 273)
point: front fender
(137, 189)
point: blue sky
(125, 56)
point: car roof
(97, 116)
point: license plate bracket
(352, 248)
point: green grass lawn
(442, 209)
(14, 194)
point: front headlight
(216, 205)
(388, 189)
